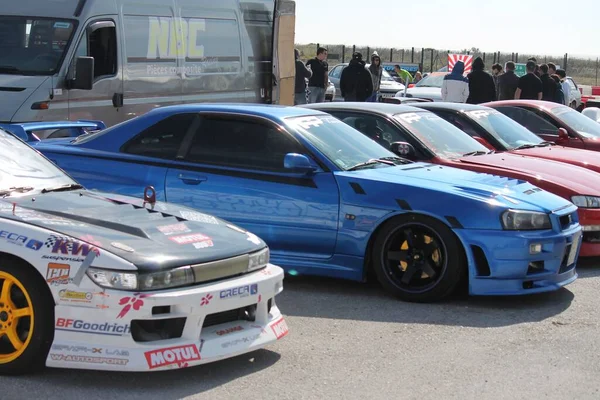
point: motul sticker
(179, 356)
(280, 328)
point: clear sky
(523, 26)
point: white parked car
(428, 88)
(592, 112)
(389, 87)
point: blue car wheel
(418, 259)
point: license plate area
(574, 248)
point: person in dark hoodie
(481, 84)
(302, 74)
(376, 70)
(455, 87)
(356, 83)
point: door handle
(192, 179)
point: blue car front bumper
(501, 262)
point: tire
(28, 291)
(442, 256)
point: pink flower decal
(134, 302)
(206, 300)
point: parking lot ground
(352, 341)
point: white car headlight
(516, 220)
(586, 201)
(258, 260)
(141, 282)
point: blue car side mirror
(298, 163)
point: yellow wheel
(26, 317)
(16, 318)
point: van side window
(162, 140)
(102, 45)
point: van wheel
(26, 318)
(418, 259)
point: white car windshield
(431, 81)
(341, 144)
(583, 125)
(507, 131)
(22, 167)
(440, 136)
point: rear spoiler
(25, 130)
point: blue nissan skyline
(330, 201)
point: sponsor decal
(266, 271)
(179, 356)
(102, 306)
(89, 359)
(247, 339)
(77, 325)
(58, 274)
(242, 291)
(77, 297)
(130, 302)
(199, 240)
(20, 240)
(172, 229)
(280, 328)
(69, 247)
(122, 246)
(206, 300)
(222, 332)
(91, 350)
(199, 217)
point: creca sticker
(20, 240)
(199, 240)
(179, 355)
(242, 291)
(280, 328)
(58, 274)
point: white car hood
(432, 93)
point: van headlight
(258, 260)
(586, 201)
(515, 220)
(134, 281)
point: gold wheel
(16, 318)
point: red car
(421, 135)
(552, 122)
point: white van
(112, 60)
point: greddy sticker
(179, 356)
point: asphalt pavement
(351, 341)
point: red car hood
(582, 158)
(556, 177)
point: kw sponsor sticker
(76, 297)
(173, 229)
(69, 247)
(58, 274)
(242, 291)
(88, 359)
(280, 328)
(77, 325)
(222, 332)
(179, 355)
(199, 240)
(20, 240)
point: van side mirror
(298, 163)
(403, 149)
(563, 135)
(84, 74)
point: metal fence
(584, 71)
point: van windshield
(33, 46)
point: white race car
(91, 280)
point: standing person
(317, 85)
(508, 82)
(496, 73)
(302, 74)
(455, 87)
(551, 69)
(376, 70)
(356, 82)
(536, 71)
(418, 77)
(548, 84)
(565, 86)
(530, 86)
(481, 84)
(559, 95)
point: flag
(466, 59)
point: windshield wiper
(63, 188)
(478, 153)
(372, 161)
(397, 159)
(545, 144)
(9, 69)
(525, 146)
(9, 191)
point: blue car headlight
(586, 201)
(516, 220)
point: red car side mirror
(563, 135)
(484, 142)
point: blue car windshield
(340, 143)
(507, 131)
(21, 166)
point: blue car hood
(424, 183)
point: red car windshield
(507, 131)
(581, 124)
(438, 135)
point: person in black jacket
(481, 84)
(302, 74)
(548, 84)
(356, 83)
(508, 82)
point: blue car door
(234, 169)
